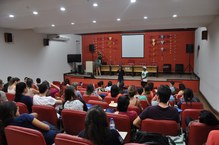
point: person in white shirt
(43, 99)
(71, 100)
(144, 76)
(109, 85)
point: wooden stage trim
(193, 84)
(128, 68)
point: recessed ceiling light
(72, 23)
(62, 9)
(118, 19)
(35, 12)
(11, 16)
(133, 1)
(145, 17)
(175, 15)
(53, 25)
(94, 21)
(95, 4)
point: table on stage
(128, 69)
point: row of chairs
(73, 123)
(18, 135)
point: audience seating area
(73, 122)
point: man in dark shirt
(160, 112)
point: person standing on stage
(98, 63)
(144, 76)
(121, 73)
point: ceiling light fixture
(11, 16)
(72, 23)
(95, 4)
(35, 12)
(133, 1)
(175, 15)
(62, 9)
(118, 19)
(53, 25)
(145, 17)
(94, 21)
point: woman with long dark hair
(97, 128)
(9, 115)
(20, 96)
(72, 101)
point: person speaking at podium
(144, 76)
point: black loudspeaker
(91, 47)
(179, 68)
(8, 37)
(204, 35)
(45, 42)
(189, 48)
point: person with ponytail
(20, 96)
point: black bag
(152, 138)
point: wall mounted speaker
(45, 42)
(204, 35)
(8, 37)
(91, 47)
(189, 48)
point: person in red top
(123, 103)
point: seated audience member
(151, 86)
(20, 96)
(38, 82)
(71, 100)
(108, 87)
(90, 91)
(100, 87)
(187, 97)
(9, 115)
(140, 94)
(122, 89)
(114, 91)
(154, 101)
(25, 79)
(5, 88)
(12, 85)
(133, 100)
(67, 82)
(3, 97)
(53, 89)
(30, 90)
(160, 112)
(43, 99)
(78, 93)
(181, 90)
(123, 103)
(206, 117)
(97, 128)
(172, 88)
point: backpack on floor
(152, 138)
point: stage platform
(190, 80)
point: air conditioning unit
(55, 37)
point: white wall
(207, 63)
(26, 55)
